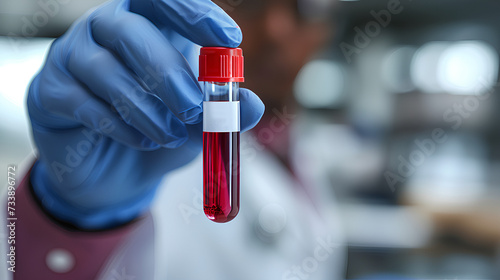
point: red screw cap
(222, 65)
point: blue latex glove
(117, 106)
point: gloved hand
(117, 106)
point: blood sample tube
(221, 70)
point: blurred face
(277, 42)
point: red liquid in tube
(221, 175)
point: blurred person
(115, 192)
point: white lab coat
(277, 230)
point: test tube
(221, 70)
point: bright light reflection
(467, 68)
(320, 84)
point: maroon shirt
(47, 250)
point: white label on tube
(221, 116)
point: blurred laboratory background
(401, 109)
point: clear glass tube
(221, 151)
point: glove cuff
(84, 219)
